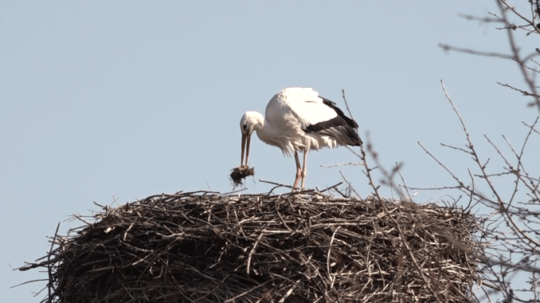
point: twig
(252, 251)
(515, 50)
(349, 184)
(481, 19)
(234, 191)
(403, 181)
(447, 47)
(277, 185)
(525, 93)
(50, 284)
(328, 258)
(331, 187)
(342, 164)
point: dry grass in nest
(203, 247)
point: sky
(113, 101)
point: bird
(298, 119)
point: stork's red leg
(304, 169)
(298, 170)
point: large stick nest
(203, 247)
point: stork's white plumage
(298, 119)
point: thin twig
(49, 285)
(447, 47)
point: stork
(298, 119)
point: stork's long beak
(246, 140)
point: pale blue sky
(133, 98)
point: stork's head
(250, 121)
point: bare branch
(447, 47)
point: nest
(203, 247)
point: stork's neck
(261, 128)
(258, 121)
(269, 134)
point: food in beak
(240, 173)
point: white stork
(298, 119)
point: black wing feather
(340, 113)
(341, 127)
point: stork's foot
(297, 188)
